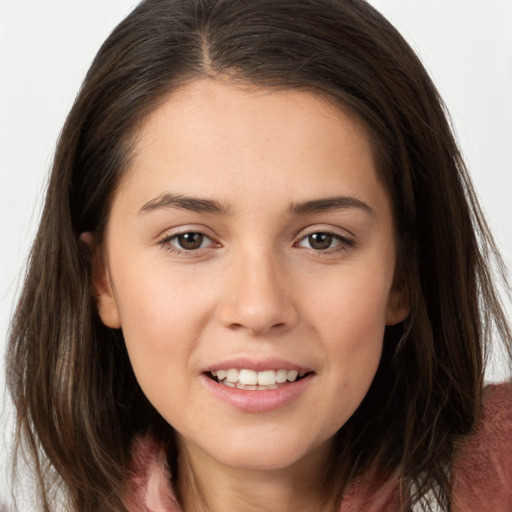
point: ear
(398, 306)
(101, 287)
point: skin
(257, 287)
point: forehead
(211, 137)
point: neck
(205, 485)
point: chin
(261, 453)
(257, 461)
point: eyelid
(165, 240)
(328, 229)
(345, 237)
(185, 228)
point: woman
(261, 269)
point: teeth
(292, 375)
(251, 380)
(248, 377)
(232, 375)
(281, 376)
(267, 378)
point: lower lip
(258, 401)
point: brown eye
(320, 241)
(325, 241)
(188, 244)
(190, 241)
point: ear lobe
(101, 287)
(398, 307)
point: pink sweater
(482, 470)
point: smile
(256, 381)
(256, 387)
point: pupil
(190, 241)
(320, 241)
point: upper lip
(258, 365)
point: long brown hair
(78, 403)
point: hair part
(78, 403)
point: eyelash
(344, 243)
(166, 242)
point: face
(249, 260)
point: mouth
(251, 380)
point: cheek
(160, 300)
(352, 305)
(350, 319)
(162, 315)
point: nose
(258, 296)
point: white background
(47, 46)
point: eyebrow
(330, 203)
(202, 205)
(181, 202)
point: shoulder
(482, 467)
(149, 487)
